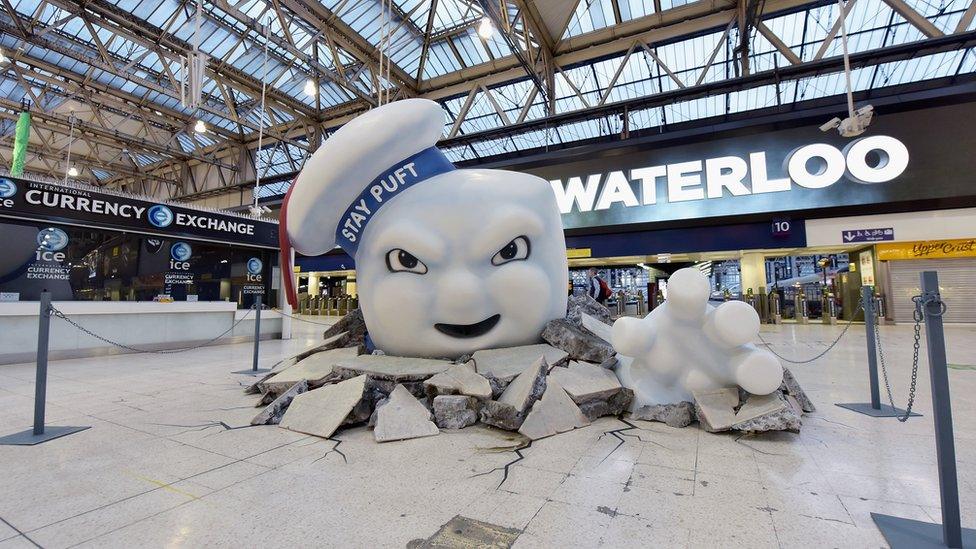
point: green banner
(20, 145)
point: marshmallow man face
(467, 260)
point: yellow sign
(928, 249)
(578, 253)
(297, 268)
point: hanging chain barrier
(918, 315)
(293, 317)
(825, 351)
(59, 314)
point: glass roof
(125, 62)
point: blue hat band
(423, 165)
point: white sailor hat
(357, 170)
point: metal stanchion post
(257, 331)
(39, 433)
(257, 340)
(905, 533)
(874, 408)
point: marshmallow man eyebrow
(425, 245)
(499, 229)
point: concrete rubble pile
(732, 409)
(538, 390)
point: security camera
(831, 124)
(853, 125)
(258, 211)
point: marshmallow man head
(448, 261)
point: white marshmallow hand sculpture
(448, 261)
(688, 345)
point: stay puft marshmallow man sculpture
(448, 261)
(688, 345)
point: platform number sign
(781, 227)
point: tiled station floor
(165, 465)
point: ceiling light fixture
(486, 29)
(72, 172)
(310, 88)
(3, 58)
(200, 127)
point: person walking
(597, 288)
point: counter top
(30, 308)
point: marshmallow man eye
(515, 250)
(402, 261)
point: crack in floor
(505, 468)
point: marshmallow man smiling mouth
(448, 261)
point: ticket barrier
(880, 308)
(621, 303)
(829, 309)
(800, 306)
(775, 308)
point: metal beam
(121, 139)
(286, 45)
(142, 32)
(327, 22)
(890, 54)
(780, 46)
(834, 29)
(80, 159)
(916, 19)
(967, 18)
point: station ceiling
(105, 74)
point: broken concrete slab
(497, 386)
(611, 363)
(716, 408)
(677, 415)
(597, 327)
(272, 414)
(455, 411)
(754, 406)
(315, 369)
(527, 387)
(509, 411)
(391, 368)
(336, 341)
(353, 323)
(792, 387)
(379, 404)
(577, 305)
(459, 379)
(768, 413)
(579, 343)
(615, 405)
(321, 411)
(584, 381)
(596, 390)
(554, 413)
(508, 362)
(403, 417)
(503, 416)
